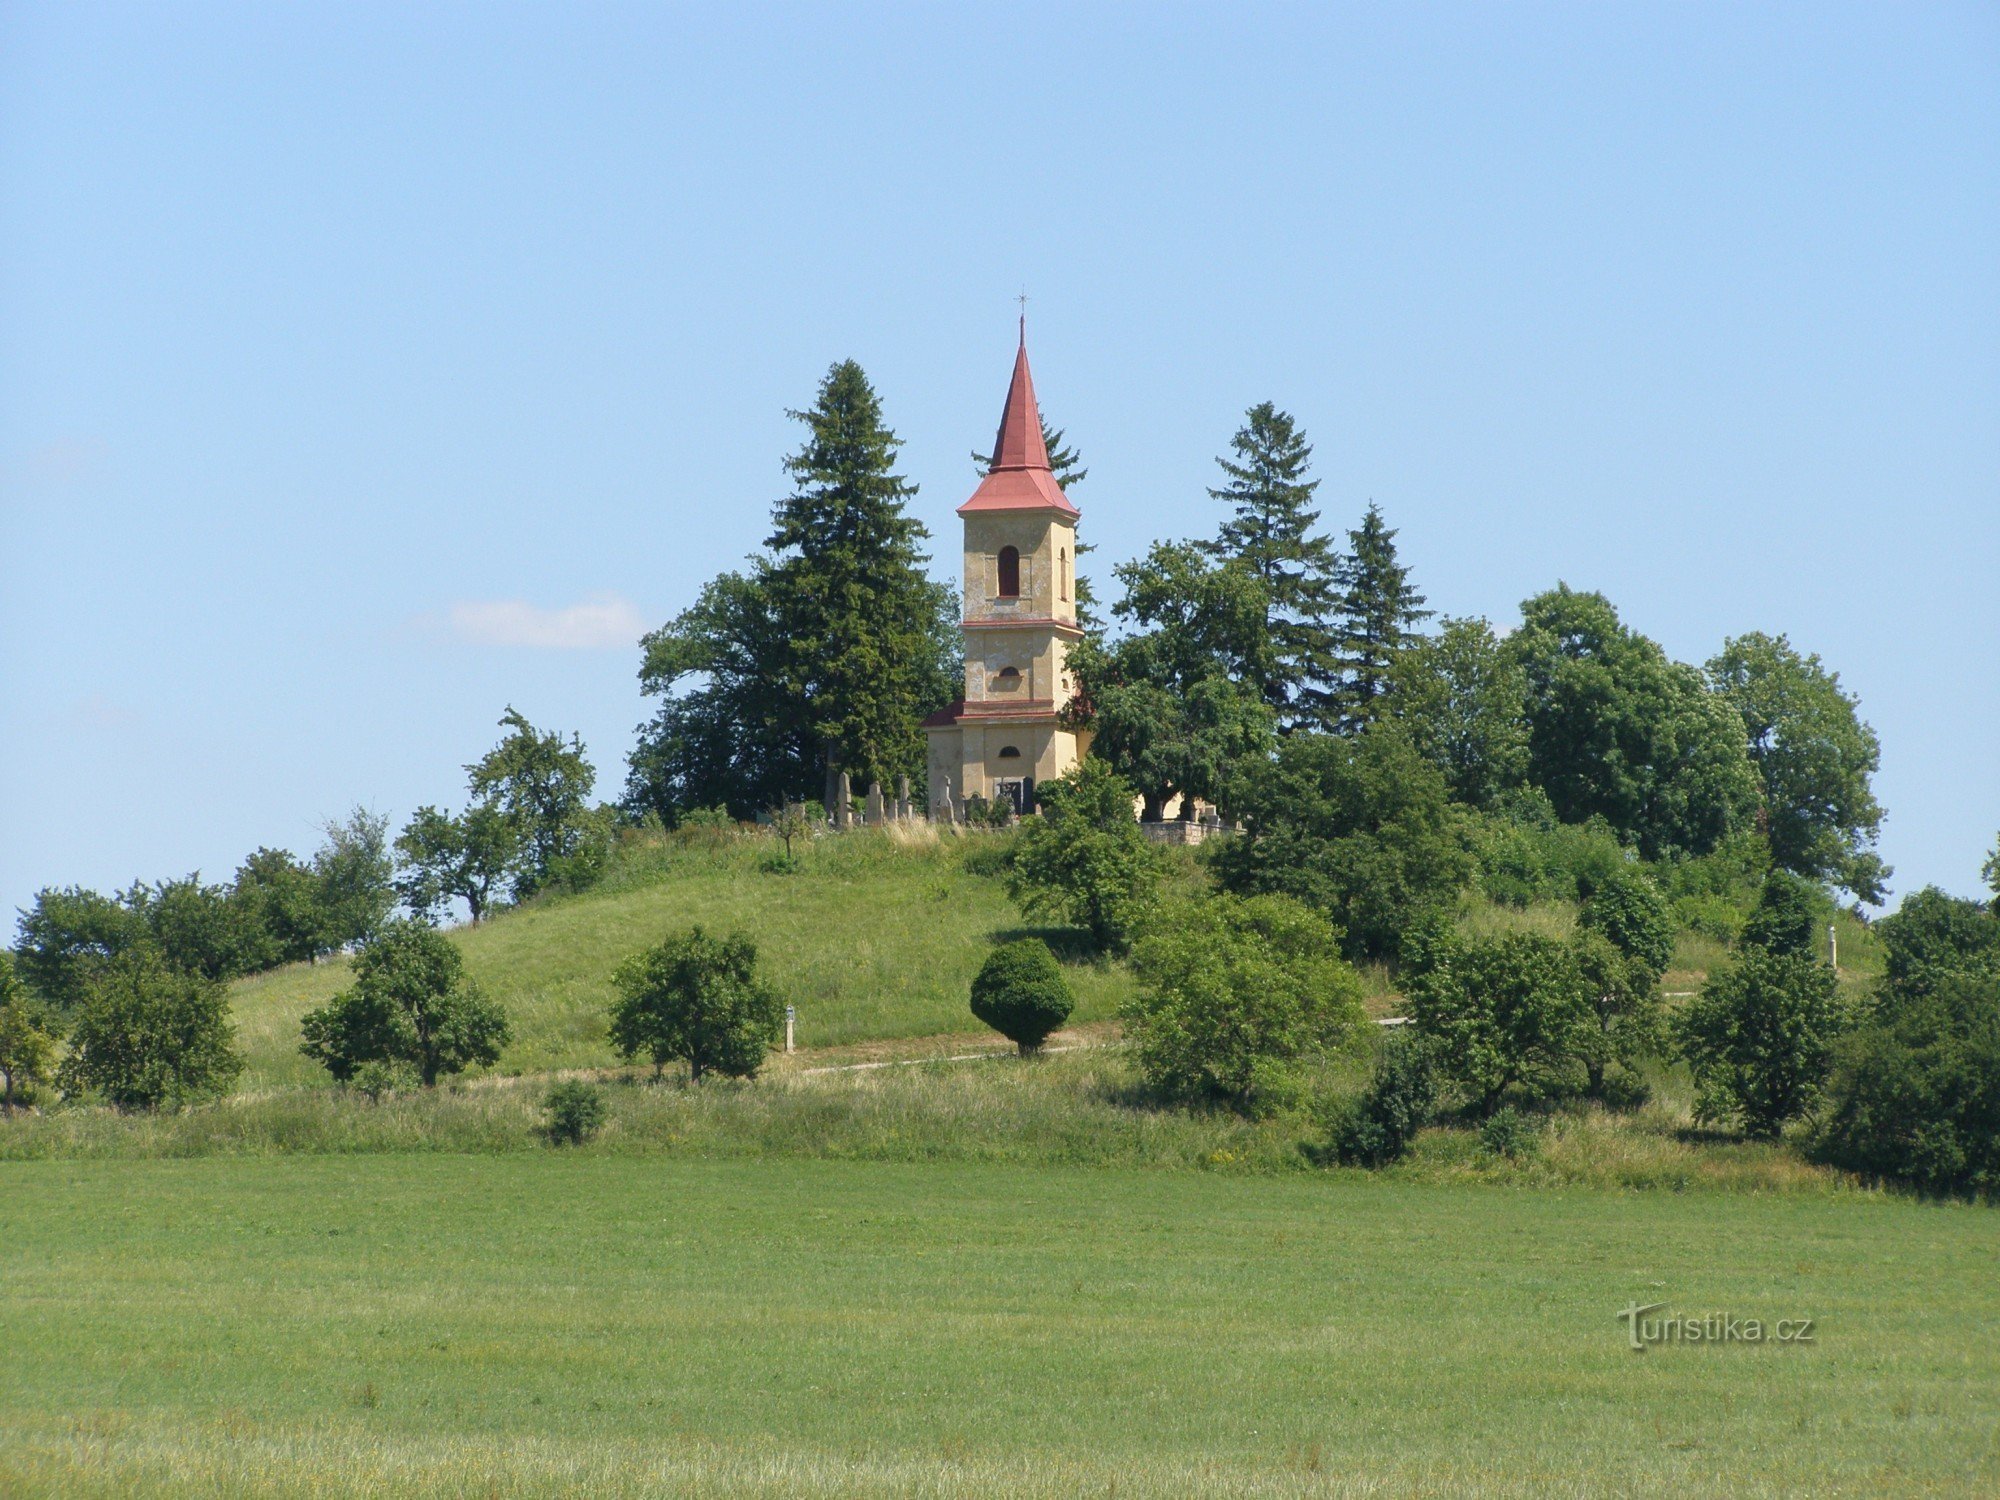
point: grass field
(530, 1324)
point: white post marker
(791, 1020)
(1833, 946)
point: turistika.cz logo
(1710, 1328)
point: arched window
(1007, 679)
(1010, 573)
(1062, 570)
(1010, 752)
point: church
(1007, 734)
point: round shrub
(576, 1112)
(1021, 993)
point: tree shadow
(1070, 945)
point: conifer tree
(1376, 610)
(1271, 532)
(866, 655)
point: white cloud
(598, 622)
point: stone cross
(902, 799)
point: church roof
(1020, 478)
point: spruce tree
(1271, 532)
(866, 653)
(1376, 610)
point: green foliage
(1791, 916)
(28, 1037)
(1376, 611)
(1235, 997)
(1526, 855)
(1929, 938)
(1628, 1023)
(1380, 1126)
(1021, 993)
(1458, 695)
(1759, 1039)
(1915, 1095)
(468, 858)
(281, 897)
(149, 1036)
(199, 929)
(1627, 908)
(69, 937)
(1499, 1011)
(355, 878)
(1617, 730)
(1814, 756)
(576, 1111)
(536, 786)
(1990, 873)
(697, 998)
(1269, 534)
(1361, 828)
(825, 656)
(1173, 706)
(410, 1003)
(1507, 1132)
(1083, 859)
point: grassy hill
(872, 937)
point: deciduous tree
(149, 1035)
(410, 1003)
(697, 998)
(1083, 859)
(1814, 756)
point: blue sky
(367, 368)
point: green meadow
(571, 1323)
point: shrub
(411, 1004)
(1507, 1132)
(150, 1036)
(1021, 993)
(696, 998)
(1790, 917)
(1931, 937)
(1083, 859)
(1526, 855)
(1513, 1009)
(1629, 910)
(1759, 1039)
(1379, 1127)
(27, 1039)
(1234, 996)
(1916, 1095)
(576, 1111)
(375, 1081)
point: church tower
(1004, 736)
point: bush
(1629, 910)
(1083, 860)
(576, 1111)
(1709, 916)
(1916, 1095)
(1791, 916)
(27, 1040)
(1234, 996)
(1759, 1039)
(149, 1036)
(1502, 1011)
(1021, 993)
(1526, 855)
(410, 1004)
(1930, 938)
(696, 998)
(376, 1081)
(1509, 1133)
(1379, 1127)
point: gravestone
(875, 809)
(902, 799)
(843, 802)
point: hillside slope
(870, 938)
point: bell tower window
(1010, 573)
(1062, 570)
(1007, 679)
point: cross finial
(1023, 300)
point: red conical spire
(1019, 478)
